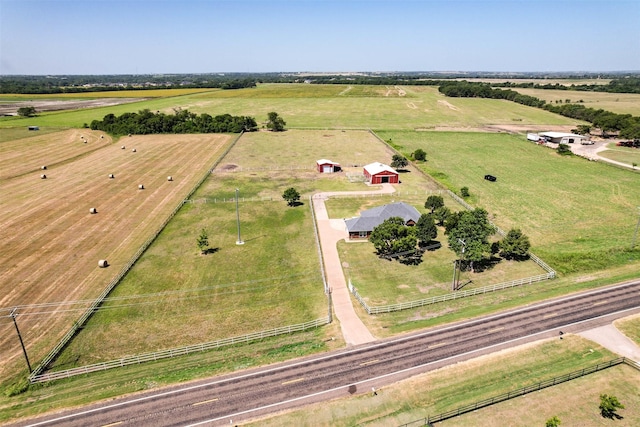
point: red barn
(378, 173)
(327, 166)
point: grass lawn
(467, 382)
(630, 327)
(272, 280)
(579, 215)
(621, 154)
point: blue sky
(189, 36)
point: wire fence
(430, 420)
(179, 351)
(82, 320)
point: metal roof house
(378, 173)
(362, 226)
(327, 166)
(563, 138)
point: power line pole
(239, 241)
(24, 350)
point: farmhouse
(327, 166)
(362, 226)
(563, 138)
(378, 173)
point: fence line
(180, 351)
(446, 297)
(428, 421)
(78, 324)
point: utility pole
(239, 241)
(457, 267)
(24, 350)
(329, 301)
(633, 242)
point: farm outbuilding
(378, 173)
(362, 226)
(563, 138)
(327, 166)
(33, 128)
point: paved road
(248, 394)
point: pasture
(579, 215)
(52, 243)
(327, 107)
(620, 103)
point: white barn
(563, 138)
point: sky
(53, 37)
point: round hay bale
(140, 187)
(93, 211)
(134, 150)
(169, 178)
(85, 141)
(111, 176)
(123, 147)
(103, 263)
(43, 176)
(101, 136)
(44, 168)
(129, 135)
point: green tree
(582, 130)
(434, 202)
(420, 155)
(471, 235)
(564, 149)
(394, 238)
(441, 214)
(464, 191)
(552, 422)
(399, 162)
(425, 229)
(609, 405)
(275, 122)
(291, 195)
(203, 242)
(27, 111)
(515, 245)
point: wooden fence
(446, 297)
(174, 352)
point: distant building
(378, 173)
(34, 128)
(362, 226)
(563, 138)
(327, 166)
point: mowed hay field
(51, 242)
(620, 103)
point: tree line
(626, 125)
(146, 122)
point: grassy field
(147, 93)
(630, 327)
(467, 382)
(621, 154)
(326, 106)
(579, 215)
(621, 103)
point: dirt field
(52, 243)
(11, 108)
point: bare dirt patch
(229, 167)
(11, 109)
(448, 105)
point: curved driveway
(331, 231)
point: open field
(579, 215)
(620, 103)
(550, 81)
(481, 378)
(621, 154)
(630, 327)
(28, 154)
(327, 106)
(52, 244)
